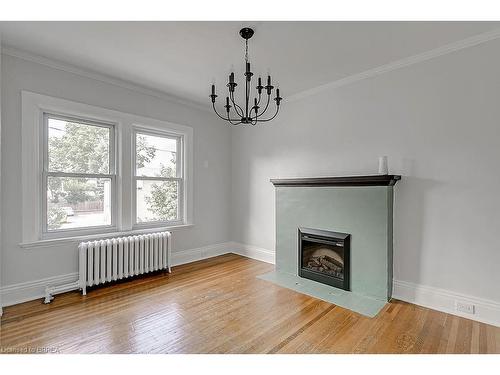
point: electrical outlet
(464, 307)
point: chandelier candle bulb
(213, 95)
(259, 86)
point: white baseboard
(253, 252)
(193, 255)
(188, 256)
(31, 290)
(485, 311)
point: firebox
(324, 256)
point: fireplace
(324, 256)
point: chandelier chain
(246, 50)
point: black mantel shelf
(375, 180)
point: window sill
(90, 237)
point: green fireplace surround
(359, 205)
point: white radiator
(112, 259)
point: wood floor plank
(483, 339)
(452, 338)
(445, 335)
(219, 306)
(316, 338)
(432, 336)
(299, 331)
(475, 338)
(464, 337)
(492, 335)
(281, 330)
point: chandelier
(247, 115)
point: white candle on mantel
(382, 165)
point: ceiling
(183, 58)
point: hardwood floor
(219, 306)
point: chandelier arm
(254, 122)
(253, 118)
(237, 115)
(258, 101)
(267, 105)
(236, 122)
(228, 119)
(257, 115)
(269, 119)
(225, 119)
(236, 106)
(250, 113)
(235, 109)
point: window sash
(79, 175)
(179, 162)
(83, 121)
(180, 201)
(179, 177)
(46, 173)
(45, 210)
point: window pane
(78, 202)
(155, 156)
(78, 148)
(157, 201)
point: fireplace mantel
(374, 180)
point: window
(90, 172)
(78, 174)
(158, 178)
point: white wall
(439, 123)
(211, 183)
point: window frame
(45, 174)
(33, 105)
(180, 166)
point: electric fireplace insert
(324, 256)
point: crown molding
(398, 64)
(69, 68)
